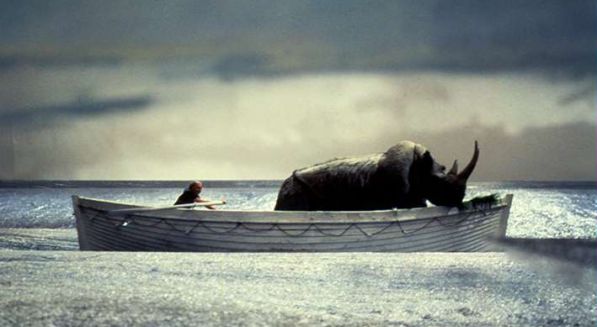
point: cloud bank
(265, 128)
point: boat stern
(80, 223)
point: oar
(147, 209)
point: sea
(39, 264)
(540, 209)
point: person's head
(196, 187)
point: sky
(253, 90)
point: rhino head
(447, 189)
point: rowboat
(112, 226)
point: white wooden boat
(110, 226)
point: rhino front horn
(468, 170)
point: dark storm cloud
(75, 109)
(338, 35)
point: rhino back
(377, 181)
(339, 174)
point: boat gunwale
(289, 217)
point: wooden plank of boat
(180, 229)
(151, 241)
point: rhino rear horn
(454, 169)
(468, 170)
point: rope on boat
(131, 219)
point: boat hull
(436, 229)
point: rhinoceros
(405, 176)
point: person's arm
(200, 200)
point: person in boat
(192, 195)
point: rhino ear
(427, 161)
